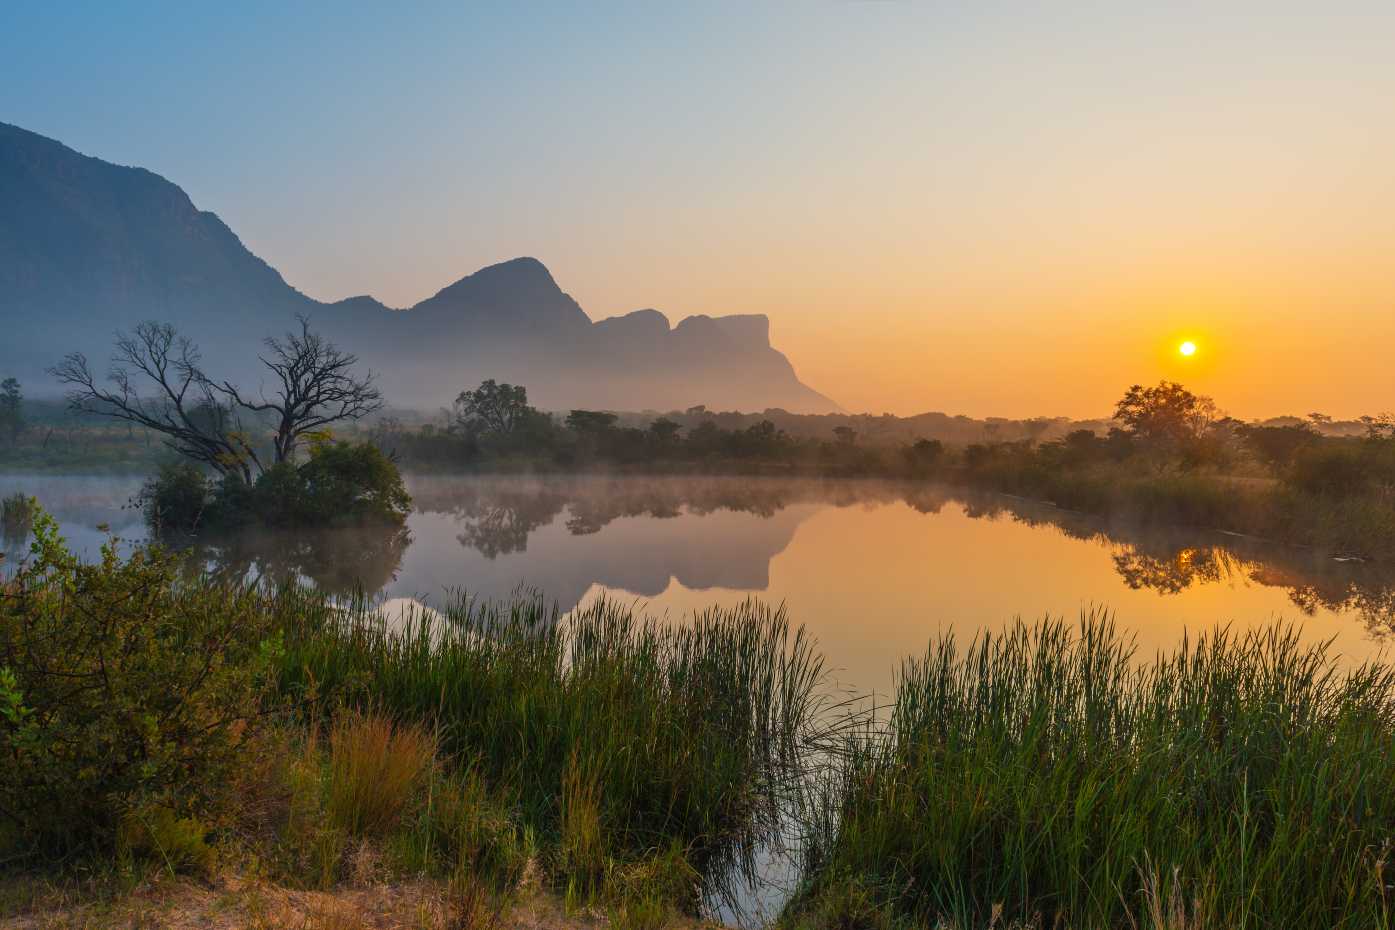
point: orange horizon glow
(941, 207)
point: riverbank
(153, 721)
(166, 731)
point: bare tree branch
(317, 387)
(199, 417)
(184, 405)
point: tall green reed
(688, 733)
(1047, 773)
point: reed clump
(614, 735)
(1047, 774)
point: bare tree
(317, 388)
(185, 407)
(200, 417)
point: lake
(873, 569)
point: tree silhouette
(1168, 412)
(11, 408)
(492, 408)
(201, 418)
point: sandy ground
(233, 905)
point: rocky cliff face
(87, 247)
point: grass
(1046, 774)
(16, 518)
(613, 735)
(602, 752)
(375, 768)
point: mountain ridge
(87, 247)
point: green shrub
(177, 499)
(124, 690)
(159, 835)
(1332, 469)
(342, 483)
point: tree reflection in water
(339, 562)
(1171, 560)
(497, 516)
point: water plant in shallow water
(1047, 773)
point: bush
(347, 483)
(123, 691)
(177, 499)
(342, 484)
(1331, 469)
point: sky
(987, 208)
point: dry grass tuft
(375, 768)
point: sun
(1187, 348)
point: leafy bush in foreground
(124, 694)
(1239, 782)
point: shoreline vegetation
(159, 728)
(1167, 456)
(160, 719)
(151, 723)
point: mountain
(88, 247)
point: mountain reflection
(498, 516)
(566, 535)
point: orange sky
(993, 209)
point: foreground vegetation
(153, 724)
(1046, 775)
(150, 722)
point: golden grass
(375, 768)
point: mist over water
(874, 569)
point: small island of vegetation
(248, 444)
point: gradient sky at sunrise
(992, 209)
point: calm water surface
(873, 569)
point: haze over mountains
(88, 247)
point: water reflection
(1171, 560)
(498, 516)
(340, 562)
(692, 540)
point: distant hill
(88, 247)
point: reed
(1046, 774)
(618, 735)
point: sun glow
(1187, 348)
